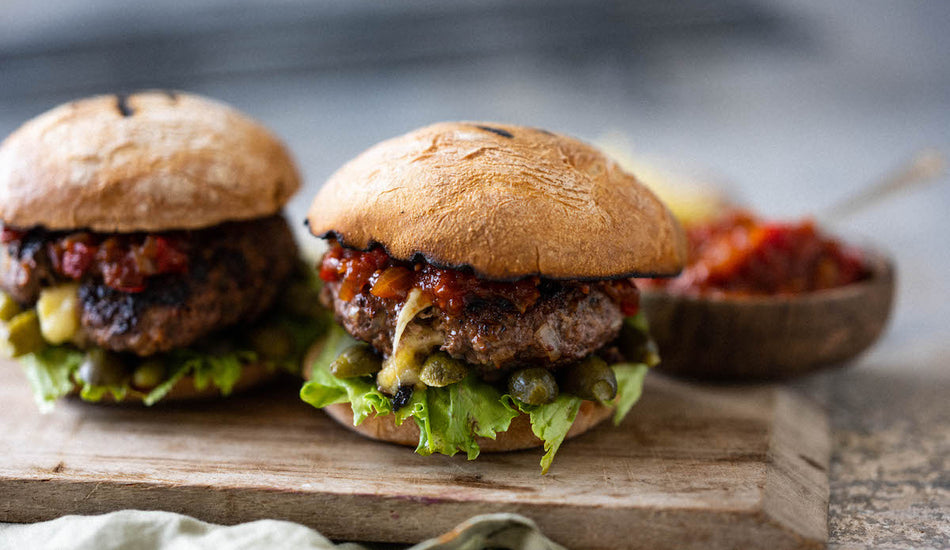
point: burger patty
(235, 271)
(25, 268)
(565, 325)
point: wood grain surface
(770, 337)
(693, 466)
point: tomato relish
(451, 290)
(124, 261)
(739, 253)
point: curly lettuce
(53, 371)
(550, 423)
(629, 387)
(50, 373)
(452, 418)
(325, 389)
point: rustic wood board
(692, 467)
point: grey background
(794, 105)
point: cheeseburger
(143, 247)
(480, 275)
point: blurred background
(791, 105)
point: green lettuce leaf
(450, 418)
(639, 322)
(550, 423)
(49, 372)
(361, 393)
(629, 387)
(417, 407)
(96, 393)
(325, 389)
(223, 370)
(52, 371)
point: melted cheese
(411, 345)
(58, 311)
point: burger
(143, 248)
(480, 279)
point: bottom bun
(252, 375)
(518, 436)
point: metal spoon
(925, 167)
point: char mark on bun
(499, 131)
(143, 249)
(480, 277)
(122, 103)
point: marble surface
(890, 473)
(791, 126)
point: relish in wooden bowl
(765, 300)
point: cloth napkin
(150, 530)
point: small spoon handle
(924, 167)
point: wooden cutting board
(693, 466)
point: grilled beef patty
(235, 271)
(25, 268)
(565, 325)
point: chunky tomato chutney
(376, 272)
(740, 253)
(125, 261)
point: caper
(636, 345)
(272, 342)
(591, 379)
(441, 369)
(534, 386)
(22, 334)
(148, 374)
(356, 360)
(8, 307)
(102, 368)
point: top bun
(151, 161)
(507, 201)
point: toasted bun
(518, 436)
(252, 376)
(151, 161)
(507, 201)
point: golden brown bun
(252, 375)
(518, 436)
(506, 200)
(151, 161)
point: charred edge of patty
(493, 335)
(235, 273)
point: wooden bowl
(769, 337)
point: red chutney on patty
(124, 262)
(375, 272)
(739, 253)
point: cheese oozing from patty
(411, 345)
